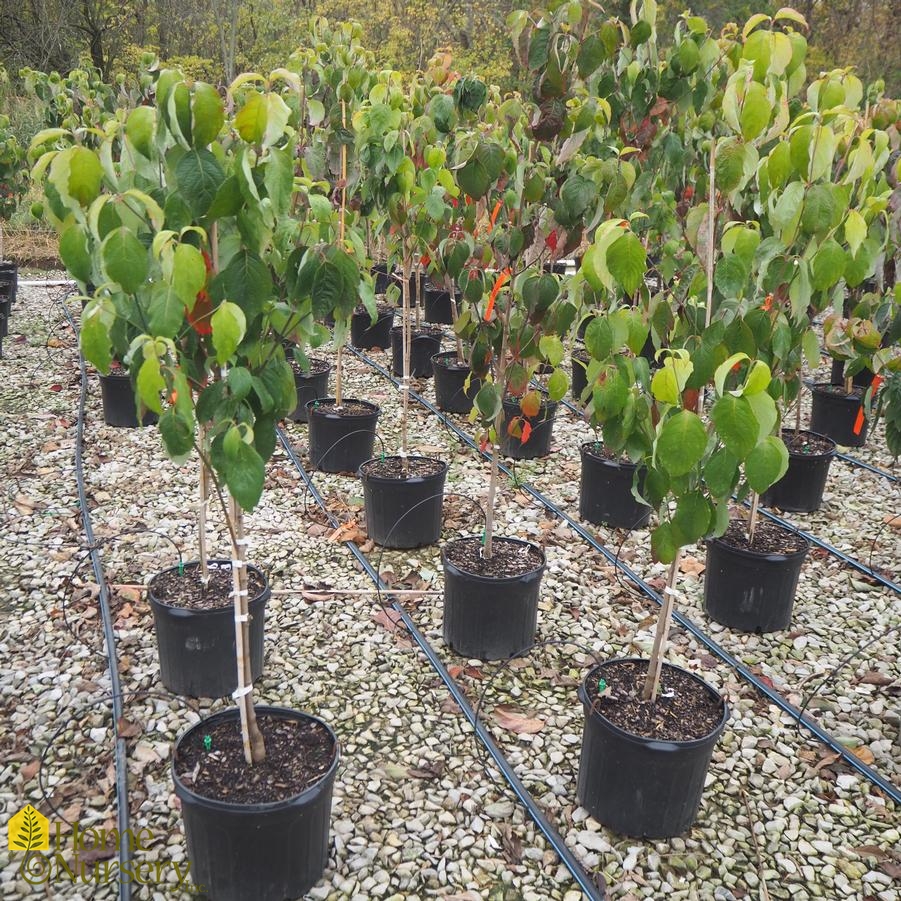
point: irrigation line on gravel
(586, 883)
(848, 560)
(862, 464)
(889, 788)
(122, 812)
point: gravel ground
(418, 812)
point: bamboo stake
(752, 519)
(254, 746)
(201, 514)
(455, 315)
(661, 637)
(711, 252)
(339, 364)
(407, 338)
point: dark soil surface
(769, 538)
(581, 355)
(508, 558)
(449, 361)
(382, 309)
(597, 450)
(317, 367)
(348, 408)
(806, 444)
(839, 390)
(393, 468)
(187, 591)
(684, 709)
(297, 755)
(424, 331)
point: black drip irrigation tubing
(586, 883)
(853, 562)
(862, 464)
(122, 812)
(877, 779)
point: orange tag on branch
(502, 279)
(858, 423)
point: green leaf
(626, 260)
(488, 402)
(95, 342)
(664, 544)
(855, 230)
(85, 174)
(779, 164)
(244, 473)
(557, 384)
(765, 412)
(229, 324)
(199, 177)
(735, 424)
(551, 348)
(208, 401)
(125, 259)
(239, 381)
(599, 338)
(766, 464)
(691, 521)
(681, 443)
(757, 379)
(315, 111)
(819, 208)
(73, 251)
(188, 273)
(810, 344)
(828, 265)
(245, 281)
(150, 383)
(253, 118)
(139, 128)
(208, 114)
(167, 311)
(721, 473)
(177, 432)
(670, 380)
(731, 276)
(755, 111)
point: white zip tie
(237, 564)
(240, 593)
(668, 590)
(240, 692)
(242, 542)
(242, 618)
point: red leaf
(526, 432)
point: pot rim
(255, 807)
(828, 453)
(546, 404)
(418, 480)
(749, 554)
(265, 592)
(428, 331)
(374, 409)
(619, 464)
(381, 313)
(857, 393)
(312, 375)
(494, 580)
(654, 743)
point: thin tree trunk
(798, 411)
(407, 348)
(201, 512)
(711, 252)
(661, 637)
(752, 519)
(489, 510)
(455, 315)
(252, 738)
(339, 362)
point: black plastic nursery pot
(862, 379)
(197, 647)
(267, 851)
(366, 334)
(310, 385)
(579, 359)
(490, 617)
(640, 786)
(605, 491)
(833, 413)
(9, 280)
(437, 305)
(119, 403)
(451, 393)
(341, 441)
(424, 344)
(403, 511)
(539, 441)
(801, 489)
(6, 306)
(382, 277)
(749, 590)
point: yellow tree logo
(28, 830)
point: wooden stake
(407, 340)
(254, 746)
(711, 252)
(652, 682)
(341, 228)
(201, 512)
(752, 519)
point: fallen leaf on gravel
(317, 530)
(871, 851)
(455, 670)
(315, 597)
(128, 729)
(826, 760)
(873, 677)
(94, 854)
(891, 869)
(348, 531)
(692, 565)
(893, 521)
(514, 720)
(863, 753)
(29, 771)
(430, 771)
(388, 619)
(512, 844)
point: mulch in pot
(188, 591)
(806, 443)
(381, 309)
(297, 755)
(684, 710)
(317, 366)
(348, 408)
(769, 538)
(392, 468)
(508, 559)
